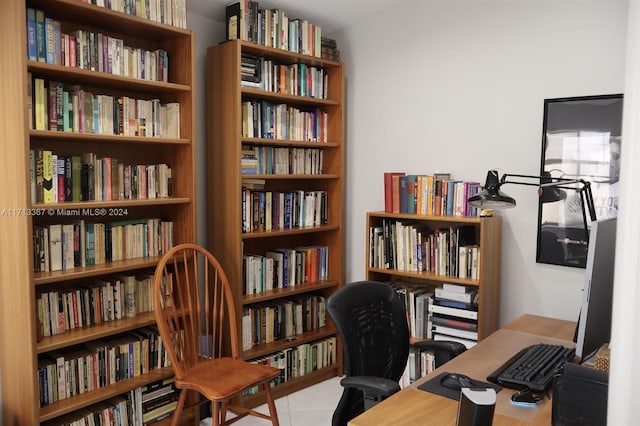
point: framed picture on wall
(581, 139)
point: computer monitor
(594, 324)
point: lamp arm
(586, 196)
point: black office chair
(372, 324)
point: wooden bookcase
(227, 241)
(21, 345)
(488, 234)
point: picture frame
(581, 139)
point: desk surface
(413, 406)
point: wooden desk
(413, 406)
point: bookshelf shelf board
(444, 219)
(295, 384)
(86, 334)
(288, 142)
(285, 55)
(282, 292)
(268, 234)
(278, 345)
(68, 405)
(95, 270)
(423, 276)
(104, 79)
(289, 99)
(292, 176)
(113, 203)
(101, 17)
(90, 137)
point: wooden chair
(194, 310)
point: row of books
(170, 12)
(261, 119)
(284, 268)
(281, 161)
(137, 407)
(275, 210)
(91, 50)
(65, 246)
(273, 28)
(282, 319)
(53, 107)
(299, 360)
(57, 178)
(405, 246)
(290, 79)
(94, 302)
(433, 195)
(419, 364)
(99, 363)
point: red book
(389, 190)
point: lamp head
(492, 197)
(550, 194)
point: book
(411, 184)
(32, 49)
(454, 322)
(455, 304)
(403, 194)
(47, 176)
(466, 297)
(395, 193)
(452, 331)
(388, 190)
(55, 247)
(466, 342)
(454, 312)
(235, 20)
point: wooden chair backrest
(193, 307)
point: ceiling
(331, 15)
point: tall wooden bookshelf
(21, 341)
(488, 237)
(227, 241)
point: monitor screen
(594, 324)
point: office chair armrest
(377, 388)
(444, 350)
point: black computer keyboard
(533, 367)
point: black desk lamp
(550, 189)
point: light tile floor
(312, 406)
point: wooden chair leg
(272, 405)
(223, 412)
(178, 411)
(215, 413)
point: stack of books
(330, 49)
(455, 314)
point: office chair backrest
(372, 325)
(194, 322)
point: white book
(55, 247)
(453, 295)
(455, 312)
(67, 246)
(466, 342)
(246, 330)
(454, 288)
(450, 331)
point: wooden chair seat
(220, 379)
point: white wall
(207, 33)
(458, 86)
